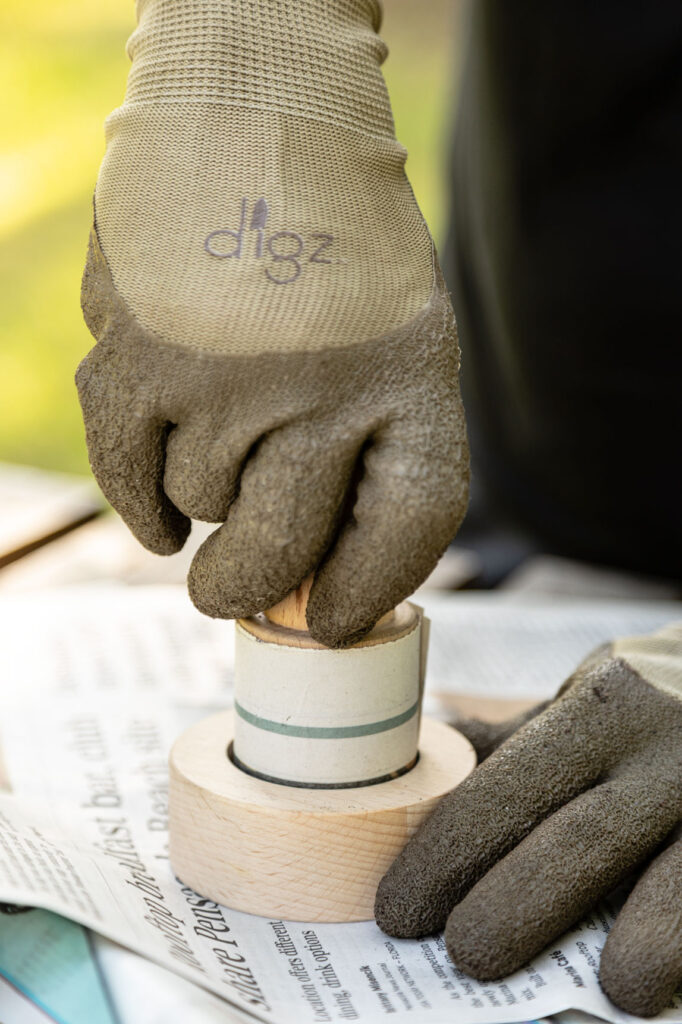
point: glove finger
(641, 964)
(410, 502)
(556, 874)
(127, 451)
(202, 471)
(486, 737)
(278, 528)
(545, 764)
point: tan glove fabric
(270, 318)
(554, 819)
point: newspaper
(98, 682)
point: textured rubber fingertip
(643, 987)
(128, 480)
(328, 626)
(392, 912)
(407, 905)
(641, 964)
(166, 537)
(339, 614)
(126, 446)
(221, 584)
(475, 949)
(204, 587)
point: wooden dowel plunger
(291, 612)
(295, 805)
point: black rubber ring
(318, 785)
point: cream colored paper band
(320, 717)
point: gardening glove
(276, 350)
(485, 737)
(552, 821)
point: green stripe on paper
(314, 732)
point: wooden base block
(295, 853)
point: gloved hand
(270, 318)
(552, 821)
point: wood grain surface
(294, 853)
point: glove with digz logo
(276, 350)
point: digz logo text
(288, 250)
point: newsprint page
(97, 682)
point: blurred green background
(62, 69)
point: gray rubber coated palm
(553, 820)
(270, 446)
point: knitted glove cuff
(317, 60)
(656, 657)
